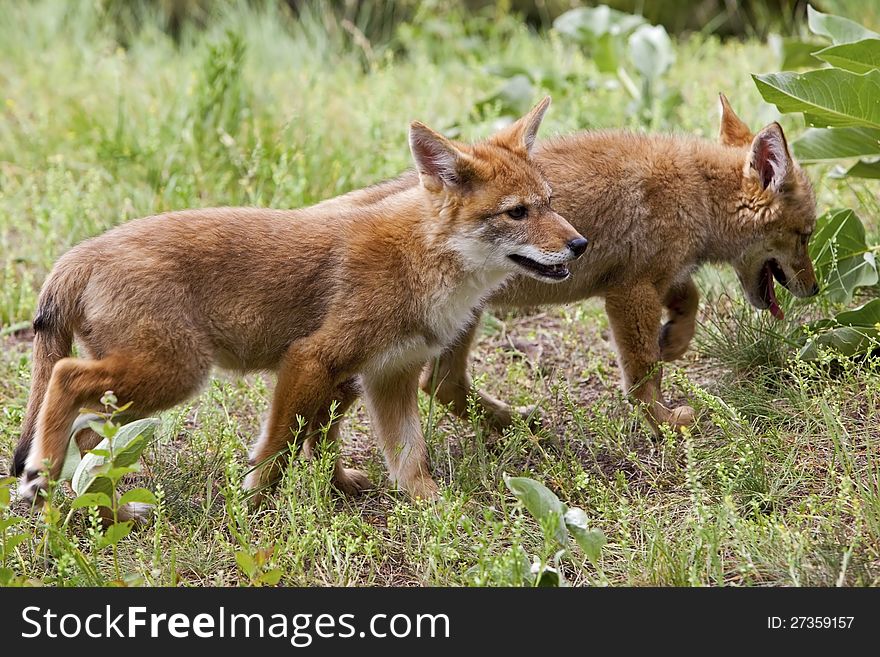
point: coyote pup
(656, 208)
(327, 297)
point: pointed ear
(525, 130)
(438, 161)
(769, 157)
(733, 131)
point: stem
(628, 83)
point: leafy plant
(848, 333)
(627, 46)
(841, 255)
(620, 44)
(9, 538)
(558, 523)
(255, 564)
(95, 477)
(842, 103)
(837, 100)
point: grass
(776, 485)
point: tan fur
(321, 296)
(655, 207)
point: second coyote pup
(656, 208)
(320, 295)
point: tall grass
(252, 104)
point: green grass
(777, 484)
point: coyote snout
(546, 259)
(524, 235)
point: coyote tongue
(775, 310)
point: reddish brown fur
(319, 295)
(655, 208)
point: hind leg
(349, 480)
(151, 383)
(682, 302)
(447, 378)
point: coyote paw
(683, 416)
(137, 512)
(28, 493)
(423, 488)
(500, 416)
(351, 481)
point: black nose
(814, 290)
(578, 246)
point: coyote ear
(439, 162)
(525, 130)
(733, 131)
(769, 157)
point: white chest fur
(447, 313)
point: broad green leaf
(820, 145)
(548, 578)
(115, 533)
(862, 169)
(6, 523)
(541, 502)
(650, 51)
(591, 540)
(858, 57)
(865, 315)
(271, 577)
(851, 332)
(14, 541)
(140, 495)
(585, 24)
(131, 439)
(837, 28)
(91, 499)
(115, 474)
(828, 97)
(794, 53)
(72, 458)
(246, 563)
(840, 255)
(128, 443)
(607, 53)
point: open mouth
(769, 271)
(553, 272)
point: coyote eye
(519, 212)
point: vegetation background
(111, 110)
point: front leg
(447, 378)
(682, 302)
(634, 314)
(392, 400)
